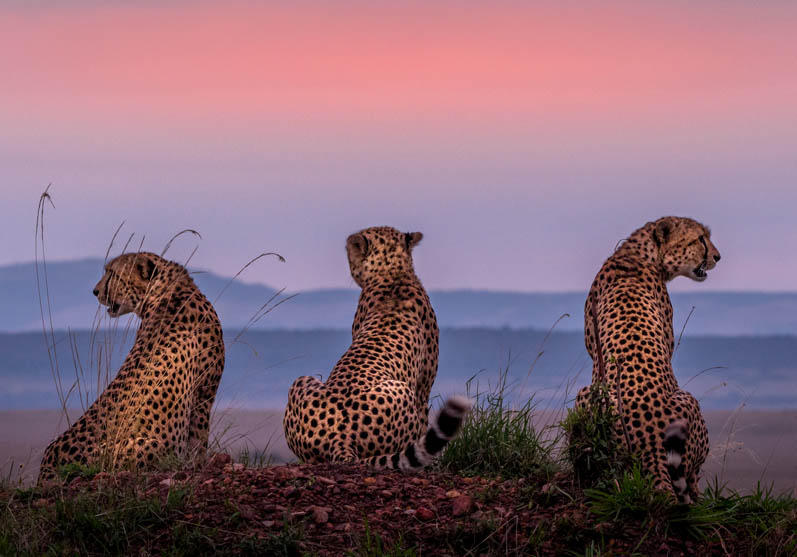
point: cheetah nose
(717, 257)
(96, 291)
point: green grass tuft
(371, 544)
(73, 470)
(497, 440)
(594, 452)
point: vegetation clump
(499, 440)
(594, 451)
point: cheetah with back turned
(373, 407)
(628, 302)
(159, 402)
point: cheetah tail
(675, 447)
(421, 453)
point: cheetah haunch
(159, 403)
(374, 405)
(629, 331)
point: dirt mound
(337, 509)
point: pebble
(247, 512)
(320, 515)
(461, 505)
(424, 514)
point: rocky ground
(333, 510)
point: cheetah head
(380, 252)
(129, 280)
(685, 247)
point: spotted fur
(629, 331)
(374, 405)
(159, 402)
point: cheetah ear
(147, 268)
(412, 239)
(357, 244)
(662, 232)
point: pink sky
(519, 139)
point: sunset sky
(524, 139)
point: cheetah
(374, 406)
(159, 402)
(629, 331)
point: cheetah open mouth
(699, 273)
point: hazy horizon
(352, 286)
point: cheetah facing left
(159, 402)
(374, 405)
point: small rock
(208, 482)
(237, 467)
(461, 505)
(344, 527)
(327, 481)
(268, 523)
(247, 512)
(369, 480)
(468, 480)
(350, 508)
(438, 492)
(386, 493)
(167, 482)
(424, 514)
(453, 494)
(283, 473)
(218, 460)
(320, 516)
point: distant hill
(73, 305)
